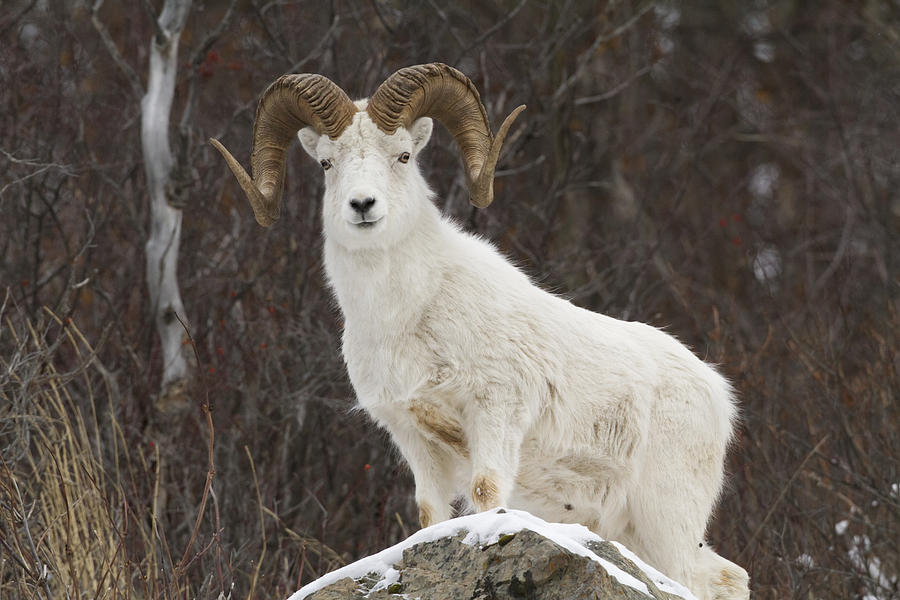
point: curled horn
(290, 103)
(439, 91)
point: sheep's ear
(309, 139)
(421, 132)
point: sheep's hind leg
(718, 578)
(669, 535)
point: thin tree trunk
(165, 228)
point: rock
(344, 588)
(523, 564)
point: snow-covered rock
(498, 554)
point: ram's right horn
(291, 103)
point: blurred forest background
(727, 170)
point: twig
(318, 47)
(381, 18)
(13, 19)
(443, 16)
(585, 56)
(262, 527)
(15, 557)
(261, 15)
(34, 162)
(197, 57)
(40, 167)
(211, 471)
(73, 572)
(113, 50)
(37, 557)
(217, 538)
(214, 35)
(781, 496)
(154, 509)
(328, 552)
(614, 91)
(3, 541)
(302, 565)
(494, 29)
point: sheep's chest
(384, 370)
(404, 393)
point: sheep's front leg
(432, 470)
(496, 431)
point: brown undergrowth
(69, 525)
(86, 514)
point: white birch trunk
(165, 221)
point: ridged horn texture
(441, 92)
(290, 103)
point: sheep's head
(368, 150)
(373, 186)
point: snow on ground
(882, 583)
(486, 528)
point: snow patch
(390, 576)
(806, 561)
(861, 556)
(764, 51)
(667, 15)
(841, 526)
(763, 179)
(665, 584)
(484, 529)
(767, 264)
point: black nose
(362, 205)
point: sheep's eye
(404, 158)
(326, 163)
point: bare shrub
(726, 170)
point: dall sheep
(489, 386)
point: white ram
(491, 387)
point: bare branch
(585, 57)
(40, 167)
(262, 525)
(614, 91)
(213, 36)
(13, 19)
(443, 16)
(261, 16)
(113, 50)
(494, 29)
(196, 58)
(784, 490)
(317, 50)
(211, 468)
(154, 18)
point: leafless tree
(164, 240)
(726, 170)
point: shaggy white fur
(508, 395)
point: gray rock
(523, 565)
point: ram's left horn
(439, 91)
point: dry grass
(86, 514)
(65, 514)
(74, 523)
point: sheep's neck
(383, 292)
